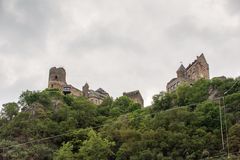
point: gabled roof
(99, 94)
(101, 91)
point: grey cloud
(233, 6)
(99, 37)
(118, 45)
(188, 30)
(24, 25)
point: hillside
(180, 125)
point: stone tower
(85, 90)
(57, 78)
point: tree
(234, 138)
(95, 147)
(10, 110)
(64, 153)
(163, 101)
(123, 105)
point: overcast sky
(119, 45)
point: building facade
(199, 69)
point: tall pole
(226, 126)
(3, 154)
(221, 124)
(225, 119)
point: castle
(57, 80)
(197, 70)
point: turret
(181, 72)
(85, 90)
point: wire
(60, 135)
(231, 87)
(55, 136)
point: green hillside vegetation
(182, 125)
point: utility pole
(226, 126)
(225, 119)
(3, 153)
(221, 124)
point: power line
(60, 135)
(55, 136)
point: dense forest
(187, 124)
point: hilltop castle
(196, 70)
(57, 80)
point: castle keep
(196, 70)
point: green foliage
(123, 105)
(163, 101)
(9, 110)
(234, 138)
(65, 152)
(179, 125)
(95, 148)
(11, 150)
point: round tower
(57, 78)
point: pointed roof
(202, 57)
(101, 91)
(181, 69)
(86, 85)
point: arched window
(56, 77)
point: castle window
(56, 77)
(52, 86)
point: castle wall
(174, 83)
(95, 100)
(76, 92)
(56, 84)
(199, 69)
